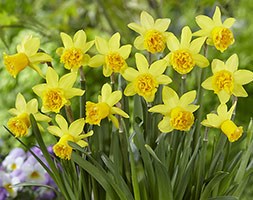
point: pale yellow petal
(31, 46)
(223, 96)
(204, 22)
(217, 17)
(212, 121)
(207, 84)
(106, 92)
(136, 27)
(76, 127)
(163, 109)
(196, 44)
(170, 97)
(55, 130)
(147, 20)
(40, 117)
(172, 42)
(186, 37)
(39, 89)
(130, 90)
(239, 91)
(222, 109)
(163, 79)
(62, 123)
(200, 60)
(40, 57)
(79, 39)
(32, 106)
(130, 74)
(69, 93)
(107, 71)
(20, 103)
(101, 45)
(116, 110)
(114, 98)
(141, 63)
(232, 63)
(66, 40)
(52, 77)
(139, 43)
(162, 24)
(67, 80)
(187, 98)
(114, 120)
(125, 51)
(97, 61)
(192, 108)
(217, 65)
(164, 125)
(60, 50)
(114, 42)
(242, 77)
(87, 46)
(158, 67)
(82, 143)
(229, 22)
(37, 69)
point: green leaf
(223, 198)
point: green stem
(69, 113)
(183, 83)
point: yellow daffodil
(218, 34)
(185, 55)
(55, 93)
(73, 53)
(73, 133)
(20, 123)
(27, 55)
(95, 112)
(153, 34)
(146, 80)
(177, 112)
(222, 120)
(111, 55)
(227, 80)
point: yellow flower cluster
(144, 79)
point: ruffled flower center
(222, 38)
(62, 149)
(154, 41)
(145, 85)
(115, 62)
(182, 61)
(223, 80)
(233, 132)
(95, 112)
(181, 119)
(19, 125)
(72, 58)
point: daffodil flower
(185, 55)
(146, 80)
(111, 55)
(55, 93)
(73, 54)
(20, 123)
(95, 112)
(222, 120)
(27, 55)
(153, 34)
(218, 34)
(73, 133)
(227, 80)
(177, 112)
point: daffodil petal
(68, 80)
(187, 98)
(101, 45)
(158, 67)
(79, 39)
(52, 77)
(136, 27)
(222, 109)
(39, 89)
(163, 109)
(114, 98)
(62, 123)
(97, 61)
(200, 60)
(87, 46)
(125, 51)
(141, 63)
(114, 120)
(116, 110)
(107, 71)
(114, 42)
(229, 22)
(164, 125)
(232, 63)
(162, 24)
(32, 46)
(147, 20)
(130, 74)
(163, 79)
(186, 37)
(192, 108)
(69, 93)
(130, 90)
(139, 43)
(207, 84)
(32, 106)
(239, 91)
(40, 57)
(76, 127)
(82, 143)
(204, 22)
(172, 42)
(196, 44)
(20, 103)
(66, 40)
(217, 65)
(243, 77)
(170, 97)
(106, 92)
(55, 130)
(37, 69)
(217, 17)
(223, 96)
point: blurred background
(46, 19)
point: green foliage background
(46, 19)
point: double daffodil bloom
(153, 34)
(111, 55)
(73, 53)
(73, 133)
(146, 80)
(55, 93)
(222, 120)
(218, 34)
(95, 112)
(227, 80)
(184, 55)
(177, 112)
(20, 123)
(27, 55)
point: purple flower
(3, 193)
